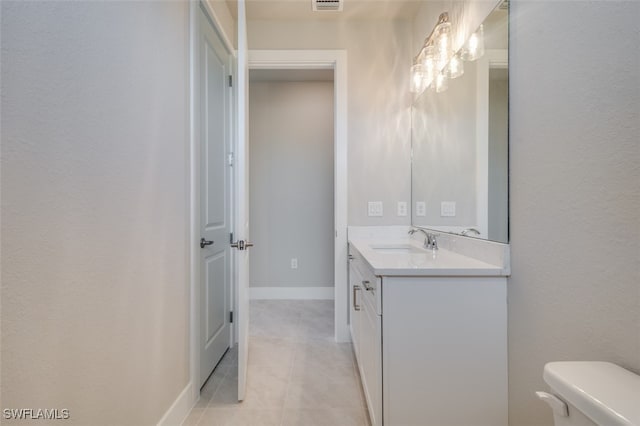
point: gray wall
(574, 293)
(291, 196)
(498, 226)
(379, 113)
(94, 208)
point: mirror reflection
(460, 141)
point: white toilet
(585, 393)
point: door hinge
(230, 159)
(231, 316)
(230, 81)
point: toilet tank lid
(605, 392)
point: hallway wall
(94, 178)
(291, 157)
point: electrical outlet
(448, 209)
(421, 208)
(402, 208)
(375, 208)
(294, 263)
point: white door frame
(336, 60)
(194, 189)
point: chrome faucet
(470, 231)
(430, 240)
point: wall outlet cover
(448, 209)
(375, 208)
(421, 208)
(294, 263)
(402, 208)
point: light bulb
(441, 82)
(418, 83)
(430, 64)
(474, 47)
(456, 67)
(443, 44)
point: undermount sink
(396, 248)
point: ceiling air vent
(326, 5)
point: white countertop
(420, 261)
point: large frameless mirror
(460, 138)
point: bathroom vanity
(429, 331)
(429, 327)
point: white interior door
(242, 219)
(215, 197)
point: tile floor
(298, 376)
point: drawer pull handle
(356, 307)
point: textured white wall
(574, 293)
(291, 157)
(379, 122)
(94, 208)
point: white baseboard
(292, 293)
(180, 408)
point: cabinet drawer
(368, 282)
(370, 289)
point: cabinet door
(355, 289)
(366, 333)
(370, 356)
(445, 351)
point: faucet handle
(468, 231)
(432, 241)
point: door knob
(241, 245)
(204, 243)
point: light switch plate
(402, 208)
(448, 209)
(375, 208)
(421, 208)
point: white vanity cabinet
(444, 351)
(435, 353)
(366, 332)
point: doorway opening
(333, 60)
(328, 69)
(291, 144)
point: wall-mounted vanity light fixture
(436, 62)
(474, 47)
